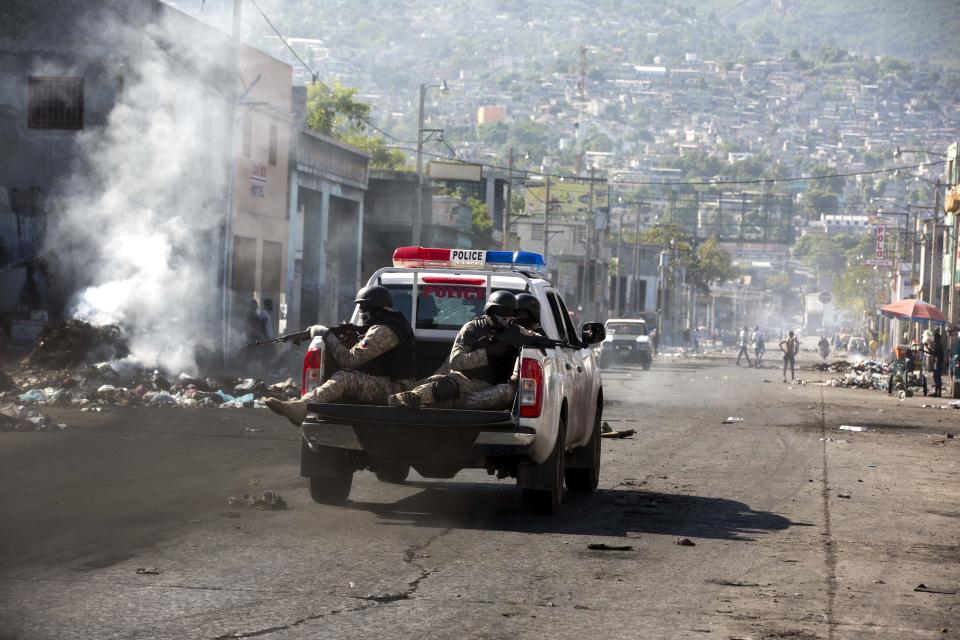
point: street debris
(16, 417)
(74, 342)
(731, 583)
(847, 427)
(148, 571)
(267, 500)
(837, 440)
(867, 374)
(732, 420)
(606, 431)
(686, 542)
(948, 591)
(843, 495)
(603, 546)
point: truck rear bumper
(427, 436)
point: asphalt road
(779, 552)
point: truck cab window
(557, 316)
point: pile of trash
(267, 500)
(864, 374)
(16, 417)
(101, 385)
(74, 342)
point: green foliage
(708, 264)
(336, 112)
(482, 222)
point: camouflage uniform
(349, 383)
(466, 357)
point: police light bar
(424, 257)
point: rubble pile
(101, 385)
(866, 374)
(16, 417)
(77, 364)
(267, 500)
(74, 342)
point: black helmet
(374, 296)
(528, 303)
(502, 301)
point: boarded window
(244, 264)
(273, 145)
(55, 103)
(270, 276)
(247, 135)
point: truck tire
(585, 479)
(332, 491)
(546, 502)
(392, 472)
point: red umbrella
(914, 310)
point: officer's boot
(293, 410)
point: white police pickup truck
(549, 437)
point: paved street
(779, 551)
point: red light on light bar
(445, 280)
(421, 256)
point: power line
(315, 77)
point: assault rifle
(513, 337)
(349, 334)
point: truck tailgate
(416, 434)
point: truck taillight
(531, 388)
(311, 369)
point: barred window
(536, 231)
(55, 103)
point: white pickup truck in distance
(550, 436)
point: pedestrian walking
(744, 342)
(790, 346)
(759, 346)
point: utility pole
(587, 242)
(546, 224)
(506, 209)
(418, 214)
(581, 92)
(226, 267)
(616, 289)
(636, 262)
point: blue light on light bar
(520, 260)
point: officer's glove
(498, 348)
(318, 330)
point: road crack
(829, 545)
(291, 625)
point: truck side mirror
(592, 333)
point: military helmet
(529, 303)
(374, 296)
(502, 303)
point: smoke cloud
(140, 218)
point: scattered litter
(16, 417)
(942, 590)
(949, 436)
(731, 420)
(148, 571)
(847, 427)
(602, 546)
(731, 583)
(230, 514)
(843, 495)
(267, 500)
(253, 429)
(686, 542)
(905, 393)
(606, 431)
(352, 584)
(837, 440)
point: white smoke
(140, 220)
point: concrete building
(491, 114)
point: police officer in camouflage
(481, 366)
(380, 365)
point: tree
(482, 222)
(335, 111)
(712, 263)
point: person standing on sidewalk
(744, 342)
(937, 352)
(790, 346)
(758, 346)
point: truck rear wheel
(392, 473)
(546, 502)
(332, 491)
(584, 479)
